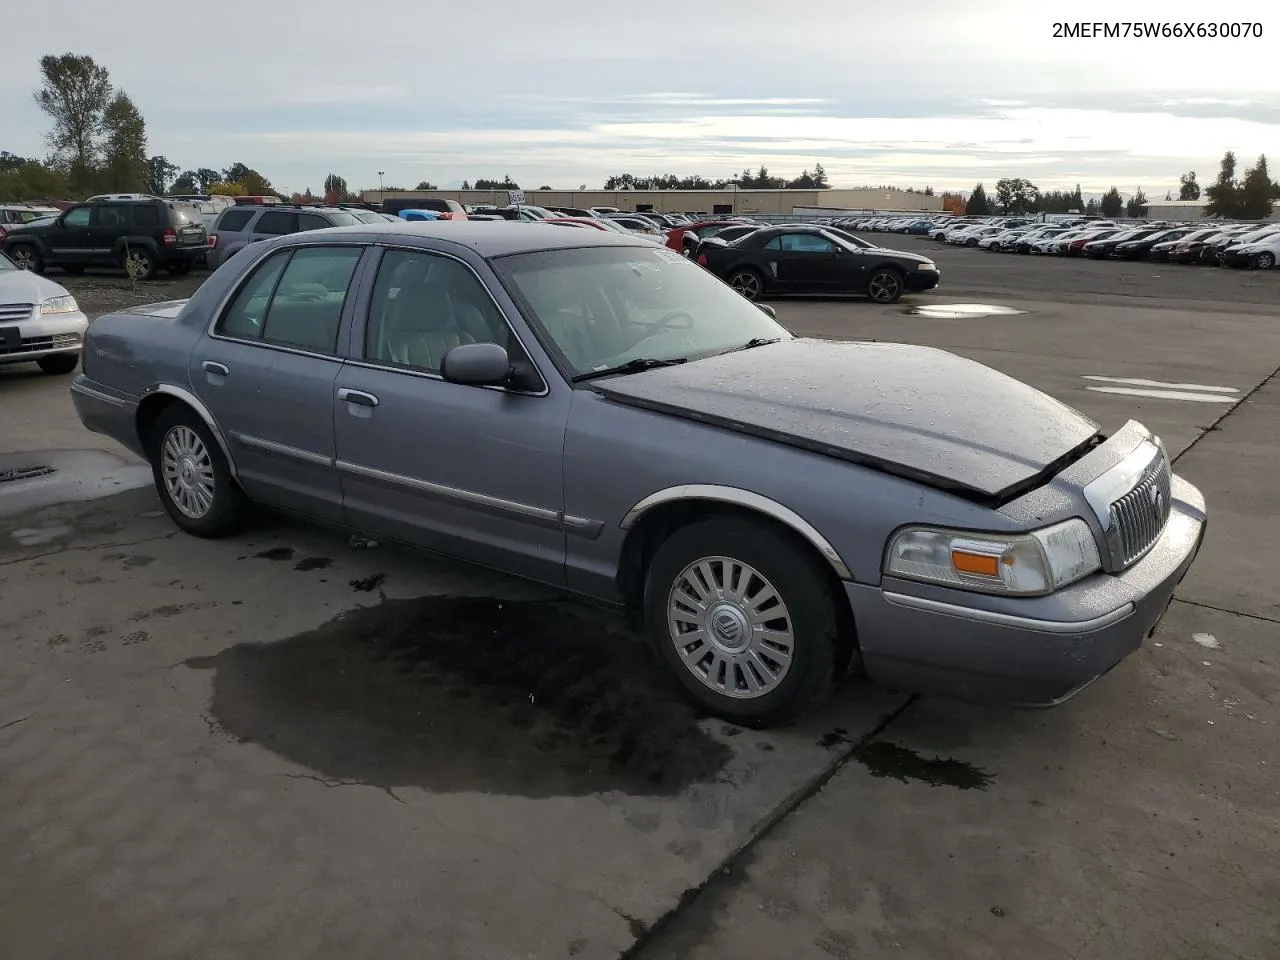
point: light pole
(382, 193)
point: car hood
(911, 411)
(23, 286)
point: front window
(6, 264)
(602, 307)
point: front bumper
(1028, 651)
(1234, 259)
(920, 280)
(42, 336)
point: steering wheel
(667, 321)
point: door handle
(358, 397)
(210, 366)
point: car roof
(488, 238)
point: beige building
(683, 201)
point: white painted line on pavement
(1136, 382)
(1167, 394)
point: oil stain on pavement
(883, 759)
(456, 694)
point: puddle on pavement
(883, 759)
(313, 563)
(960, 311)
(456, 694)
(32, 481)
(275, 553)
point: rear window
(342, 219)
(234, 220)
(182, 213)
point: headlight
(59, 305)
(1022, 564)
(926, 266)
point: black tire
(145, 259)
(886, 285)
(26, 257)
(1264, 260)
(228, 508)
(802, 585)
(59, 363)
(747, 282)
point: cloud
(954, 93)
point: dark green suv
(155, 234)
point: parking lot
(297, 744)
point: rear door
(274, 223)
(268, 369)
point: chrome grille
(1138, 517)
(15, 311)
(31, 344)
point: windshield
(367, 216)
(604, 306)
(342, 219)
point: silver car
(40, 322)
(599, 414)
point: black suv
(152, 233)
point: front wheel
(193, 477)
(58, 363)
(26, 257)
(745, 618)
(747, 283)
(1264, 261)
(885, 286)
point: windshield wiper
(760, 342)
(631, 366)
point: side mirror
(477, 364)
(768, 311)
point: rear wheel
(139, 262)
(745, 618)
(193, 477)
(26, 257)
(59, 363)
(885, 286)
(748, 283)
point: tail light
(213, 240)
(702, 259)
(169, 235)
(3, 233)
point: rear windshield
(342, 219)
(183, 213)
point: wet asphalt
(298, 744)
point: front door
(811, 261)
(470, 472)
(70, 240)
(268, 373)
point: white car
(40, 322)
(1260, 254)
(1003, 239)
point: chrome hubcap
(884, 286)
(187, 470)
(730, 627)
(746, 284)
(22, 258)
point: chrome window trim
(742, 498)
(993, 618)
(362, 361)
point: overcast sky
(567, 92)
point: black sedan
(1104, 249)
(1140, 248)
(812, 259)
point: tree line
(1249, 197)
